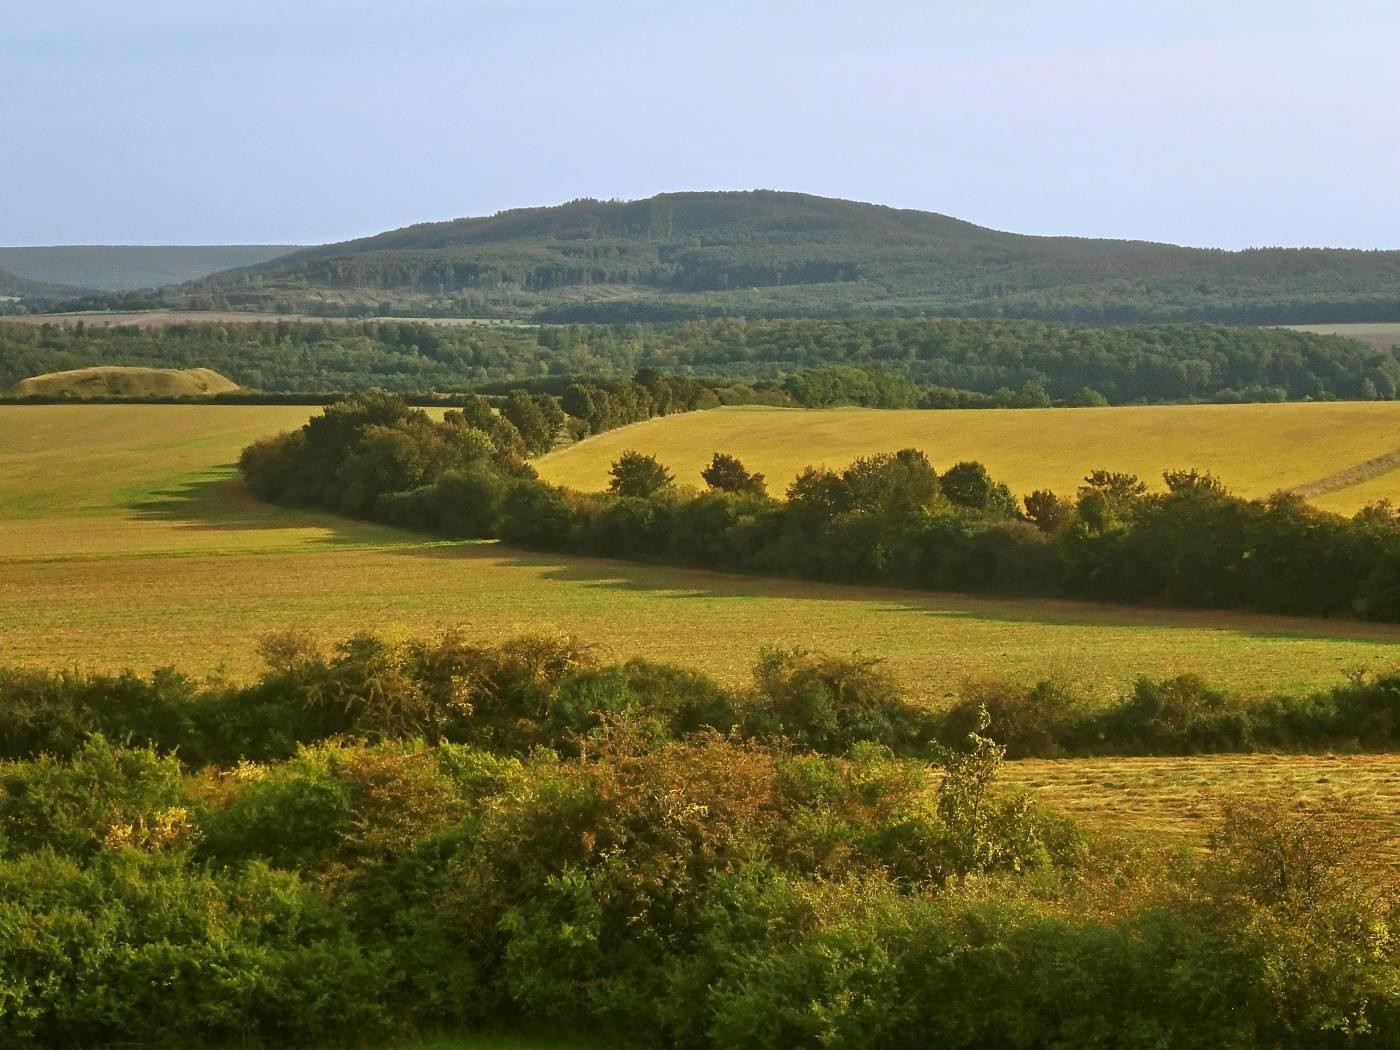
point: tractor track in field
(1349, 476)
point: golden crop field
(1254, 449)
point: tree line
(951, 362)
(382, 839)
(886, 519)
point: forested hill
(763, 253)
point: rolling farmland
(126, 538)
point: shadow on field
(678, 583)
(221, 503)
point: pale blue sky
(1227, 123)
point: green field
(1254, 449)
(125, 539)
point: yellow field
(126, 540)
(1255, 449)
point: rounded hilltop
(122, 381)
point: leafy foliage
(438, 834)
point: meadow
(1255, 449)
(125, 538)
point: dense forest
(688, 255)
(886, 519)
(954, 361)
(386, 839)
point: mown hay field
(1177, 798)
(1254, 449)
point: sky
(1228, 123)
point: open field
(1255, 449)
(125, 539)
(1381, 335)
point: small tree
(1047, 511)
(969, 485)
(635, 474)
(1087, 397)
(537, 426)
(729, 475)
(1193, 482)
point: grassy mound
(117, 381)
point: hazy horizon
(309, 121)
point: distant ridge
(124, 268)
(768, 253)
(13, 286)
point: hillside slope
(26, 289)
(681, 255)
(127, 267)
(118, 381)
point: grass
(125, 540)
(1255, 449)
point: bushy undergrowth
(704, 892)
(388, 837)
(553, 692)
